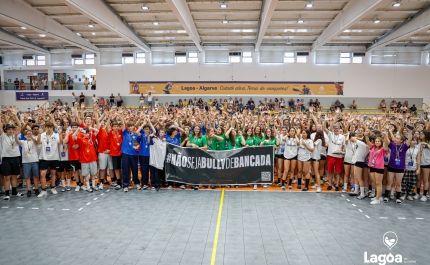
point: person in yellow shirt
(210, 102)
(185, 103)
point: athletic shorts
(52, 164)
(315, 160)
(65, 166)
(346, 163)
(306, 160)
(289, 159)
(360, 164)
(10, 166)
(334, 162)
(376, 170)
(30, 169)
(323, 158)
(425, 166)
(89, 168)
(116, 162)
(105, 161)
(395, 170)
(76, 165)
(280, 156)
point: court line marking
(401, 218)
(367, 216)
(383, 217)
(354, 205)
(20, 207)
(95, 198)
(419, 218)
(80, 209)
(35, 208)
(218, 223)
(65, 209)
(89, 203)
(360, 210)
(5, 207)
(347, 199)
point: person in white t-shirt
(141, 100)
(10, 156)
(319, 143)
(304, 155)
(279, 154)
(290, 157)
(49, 156)
(149, 99)
(74, 99)
(334, 157)
(95, 98)
(30, 160)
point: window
(289, 57)
(357, 59)
(140, 57)
(79, 61)
(247, 57)
(181, 59)
(345, 57)
(302, 59)
(127, 60)
(234, 59)
(193, 57)
(89, 58)
(40, 59)
(29, 60)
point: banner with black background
(250, 165)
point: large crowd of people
(383, 157)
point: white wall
(361, 80)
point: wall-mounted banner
(32, 96)
(239, 166)
(258, 88)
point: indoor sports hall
(214, 132)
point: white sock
(345, 185)
(68, 182)
(94, 182)
(88, 181)
(63, 183)
(362, 191)
(356, 187)
(392, 191)
(366, 190)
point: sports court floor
(179, 227)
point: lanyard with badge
(375, 151)
(115, 136)
(411, 157)
(11, 142)
(48, 139)
(398, 151)
(28, 148)
(354, 149)
(282, 146)
(290, 143)
(63, 153)
(88, 143)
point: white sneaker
(125, 189)
(423, 198)
(409, 198)
(255, 186)
(42, 193)
(265, 186)
(54, 190)
(373, 202)
(325, 179)
(318, 189)
(290, 187)
(416, 196)
(153, 188)
(398, 201)
(84, 188)
(403, 197)
(6, 198)
(77, 188)
(182, 187)
(137, 187)
(146, 187)
(101, 186)
(314, 186)
(294, 181)
(95, 188)
(344, 190)
(170, 187)
(392, 197)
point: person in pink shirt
(378, 150)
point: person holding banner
(144, 154)
(155, 139)
(197, 140)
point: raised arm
(386, 141)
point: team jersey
(304, 154)
(49, 147)
(144, 144)
(237, 143)
(220, 144)
(411, 157)
(360, 152)
(250, 141)
(102, 140)
(316, 154)
(63, 150)
(335, 144)
(211, 142)
(128, 141)
(10, 147)
(281, 149)
(115, 142)
(87, 149)
(29, 152)
(425, 156)
(258, 140)
(74, 152)
(199, 141)
(290, 150)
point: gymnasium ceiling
(49, 24)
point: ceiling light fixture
(23, 27)
(91, 25)
(22, 36)
(376, 20)
(79, 34)
(309, 4)
(155, 22)
(145, 7)
(181, 31)
(93, 33)
(223, 5)
(42, 35)
(288, 40)
(397, 3)
(300, 20)
(225, 21)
